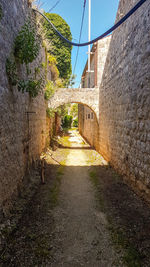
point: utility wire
(80, 36)
(54, 6)
(137, 6)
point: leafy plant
(55, 72)
(31, 86)
(51, 59)
(59, 83)
(62, 110)
(75, 123)
(27, 45)
(50, 112)
(11, 71)
(36, 71)
(74, 110)
(67, 121)
(52, 63)
(50, 90)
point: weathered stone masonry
(23, 131)
(86, 96)
(88, 124)
(125, 98)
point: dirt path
(83, 216)
(81, 236)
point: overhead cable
(80, 36)
(54, 6)
(137, 6)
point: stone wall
(102, 51)
(88, 126)
(23, 119)
(125, 98)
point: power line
(137, 6)
(54, 6)
(80, 36)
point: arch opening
(85, 119)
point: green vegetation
(50, 90)
(62, 111)
(27, 44)
(67, 121)
(11, 71)
(59, 83)
(52, 62)
(60, 49)
(51, 59)
(75, 123)
(74, 110)
(68, 83)
(31, 86)
(50, 112)
(26, 49)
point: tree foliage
(74, 110)
(60, 49)
(67, 121)
(62, 110)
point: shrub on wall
(33, 87)
(27, 45)
(50, 90)
(52, 63)
(26, 49)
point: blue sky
(103, 15)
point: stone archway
(85, 96)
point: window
(89, 116)
(92, 115)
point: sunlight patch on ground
(76, 152)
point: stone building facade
(88, 124)
(124, 98)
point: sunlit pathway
(81, 235)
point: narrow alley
(84, 215)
